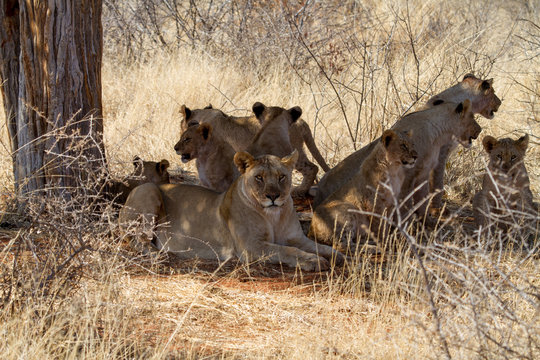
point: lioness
(214, 156)
(484, 101)
(143, 172)
(374, 188)
(506, 184)
(240, 132)
(254, 219)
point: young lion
(506, 185)
(143, 172)
(240, 132)
(254, 219)
(484, 101)
(374, 188)
(214, 156)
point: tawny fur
(143, 172)
(505, 195)
(484, 101)
(240, 132)
(375, 188)
(253, 220)
(214, 156)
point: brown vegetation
(70, 288)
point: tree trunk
(53, 89)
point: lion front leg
(252, 247)
(138, 217)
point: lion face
(151, 171)
(192, 140)
(485, 101)
(399, 148)
(505, 155)
(470, 128)
(266, 179)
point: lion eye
(186, 140)
(499, 156)
(259, 178)
(404, 148)
(513, 157)
(282, 178)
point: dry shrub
(71, 289)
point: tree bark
(9, 69)
(58, 51)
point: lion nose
(272, 197)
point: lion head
(197, 116)
(480, 92)
(150, 171)
(505, 155)
(191, 140)
(399, 148)
(267, 179)
(470, 128)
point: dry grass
(366, 62)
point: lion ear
(463, 107)
(489, 143)
(387, 137)
(487, 84)
(243, 160)
(205, 130)
(468, 76)
(295, 112)
(162, 166)
(258, 108)
(137, 162)
(186, 112)
(523, 142)
(290, 160)
(209, 106)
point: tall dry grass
(354, 68)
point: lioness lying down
(506, 195)
(254, 219)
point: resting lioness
(214, 156)
(484, 101)
(254, 219)
(143, 172)
(506, 193)
(375, 188)
(240, 132)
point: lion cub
(505, 185)
(214, 156)
(374, 189)
(143, 172)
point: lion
(214, 156)
(375, 188)
(483, 101)
(143, 172)
(505, 186)
(240, 132)
(253, 220)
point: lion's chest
(277, 227)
